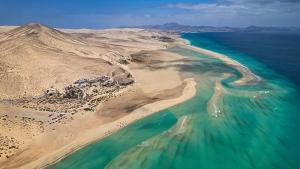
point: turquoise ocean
(257, 127)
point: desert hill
(34, 57)
(38, 31)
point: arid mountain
(34, 57)
(35, 31)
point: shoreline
(96, 134)
(247, 75)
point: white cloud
(240, 8)
(243, 12)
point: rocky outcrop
(125, 81)
(52, 92)
(73, 92)
(122, 77)
(164, 39)
(116, 57)
(108, 83)
(101, 80)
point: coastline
(100, 132)
(247, 75)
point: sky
(122, 13)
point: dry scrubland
(61, 89)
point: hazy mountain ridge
(175, 27)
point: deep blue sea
(279, 51)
